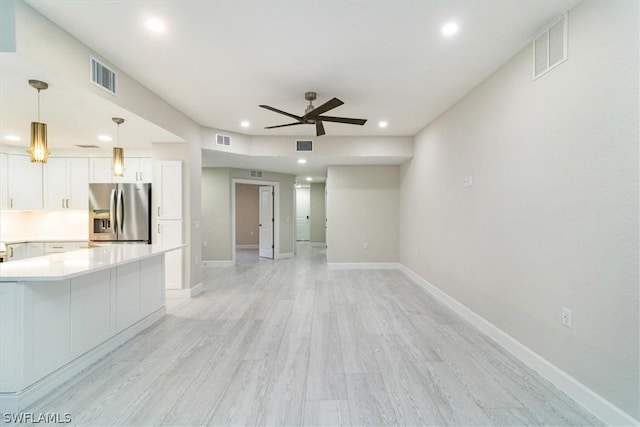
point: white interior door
(266, 222)
(303, 209)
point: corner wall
(318, 213)
(551, 220)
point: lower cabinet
(69, 318)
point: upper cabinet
(4, 182)
(168, 185)
(137, 169)
(24, 183)
(66, 183)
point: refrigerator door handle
(121, 210)
(112, 210)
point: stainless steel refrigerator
(120, 213)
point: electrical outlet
(567, 317)
(204, 243)
(365, 245)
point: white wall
(318, 213)
(362, 207)
(551, 220)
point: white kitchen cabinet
(151, 285)
(66, 183)
(34, 249)
(24, 183)
(169, 189)
(136, 169)
(4, 182)
(100, 170)
(170, 232)
(16, 251)
(59, 247)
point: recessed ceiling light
(382, 124)
(450, 28)
(12, 138)
(156, 25)
(309, 178)
(302, 161)
(244, 124)
(104, 138)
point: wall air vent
(304, 145)
(86, 146)
(103, 76)
(256, 174)
(223, 139)
(550, 47)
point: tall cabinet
(168, 204)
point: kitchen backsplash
(44, 225)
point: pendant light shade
(38, 151)
(117, 162)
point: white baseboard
(285, 255)
(590, 400)
(216, 263)
(14, 402)
(253, 246)
(184, 293)
(363, 265)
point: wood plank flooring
(289, 342)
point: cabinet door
(151, 285)
(16, 251)
(4, 182)
(25, 183)
(131, 170)
(146, 170)
(100, 170)
(170, 232)
(78, 194)
(169, 189)
(56, 183)
(34, 249)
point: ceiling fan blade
(329, 105)
(282, 112)
(319, 128)
(281, 126)
(342, 120)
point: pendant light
(117, 163)
(38, 151)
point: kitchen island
(60, 313)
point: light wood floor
(290, 342)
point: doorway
(260, 216)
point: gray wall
(318, 213)
(551, 220)
(216, 211)
(362, 207)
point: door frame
(276, 213)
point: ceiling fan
(312, 115)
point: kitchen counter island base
(52, 330)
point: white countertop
(71, 264)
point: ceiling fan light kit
(313, 115)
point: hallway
(291, 342)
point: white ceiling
(218, 60)
(387, 60)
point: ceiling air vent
(550, 47)
(256, 174)
(103, 76)
(223, 139)
(304, 145)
